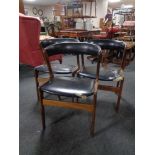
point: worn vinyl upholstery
(105, 74)
(69, 86)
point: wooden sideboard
(77, 33)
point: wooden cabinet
(58, 9)
(78, 9)
(21, 7)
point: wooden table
(119, 34)
(77, 33)
(126, 38)
(43, 37)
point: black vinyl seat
(107, 72)
(70, 86)
(104, 74)
(57, 69)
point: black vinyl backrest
(109, 44)
(48, 42)
(74, 48)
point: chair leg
(119, 96)
(72, 99)
(118, 83)
(37, 83)
(43, 116)
(60, 61)
(42, 109)
(59, 97)
(92, 129)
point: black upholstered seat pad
(57, 68)
(69, 86)
(104, 75)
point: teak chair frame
(89, 107)
(41, 80)
(119, 85)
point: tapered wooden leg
(42, 109)
(43, 116)
(118, 83)
(60, 61)
(59, 97)
(37, 83)
(92, 129)
(119, 96)
(72, 99)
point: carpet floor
(67, 131)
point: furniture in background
(129, 47)
(29, 42)
(41, 71)
(77, 33)
(21, 7)
(127, 14)
(129, 27)
(78, 9)
(74, 87)
(109, 48)
(58, 9)
(43, 31)
(128, 22)
(108, 34)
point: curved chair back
(74, 48)
(71, 48)
(112, 46)
(48, 42)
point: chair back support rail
(72, 48)
(111, 46)
(47, 42)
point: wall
(101, 10)
(47, 11)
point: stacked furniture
(29, 42)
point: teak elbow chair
(70, 86)
(109, 47)
(41, 71)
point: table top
(43, 37)
(77, 33)
(129, 45)
(73, 29)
